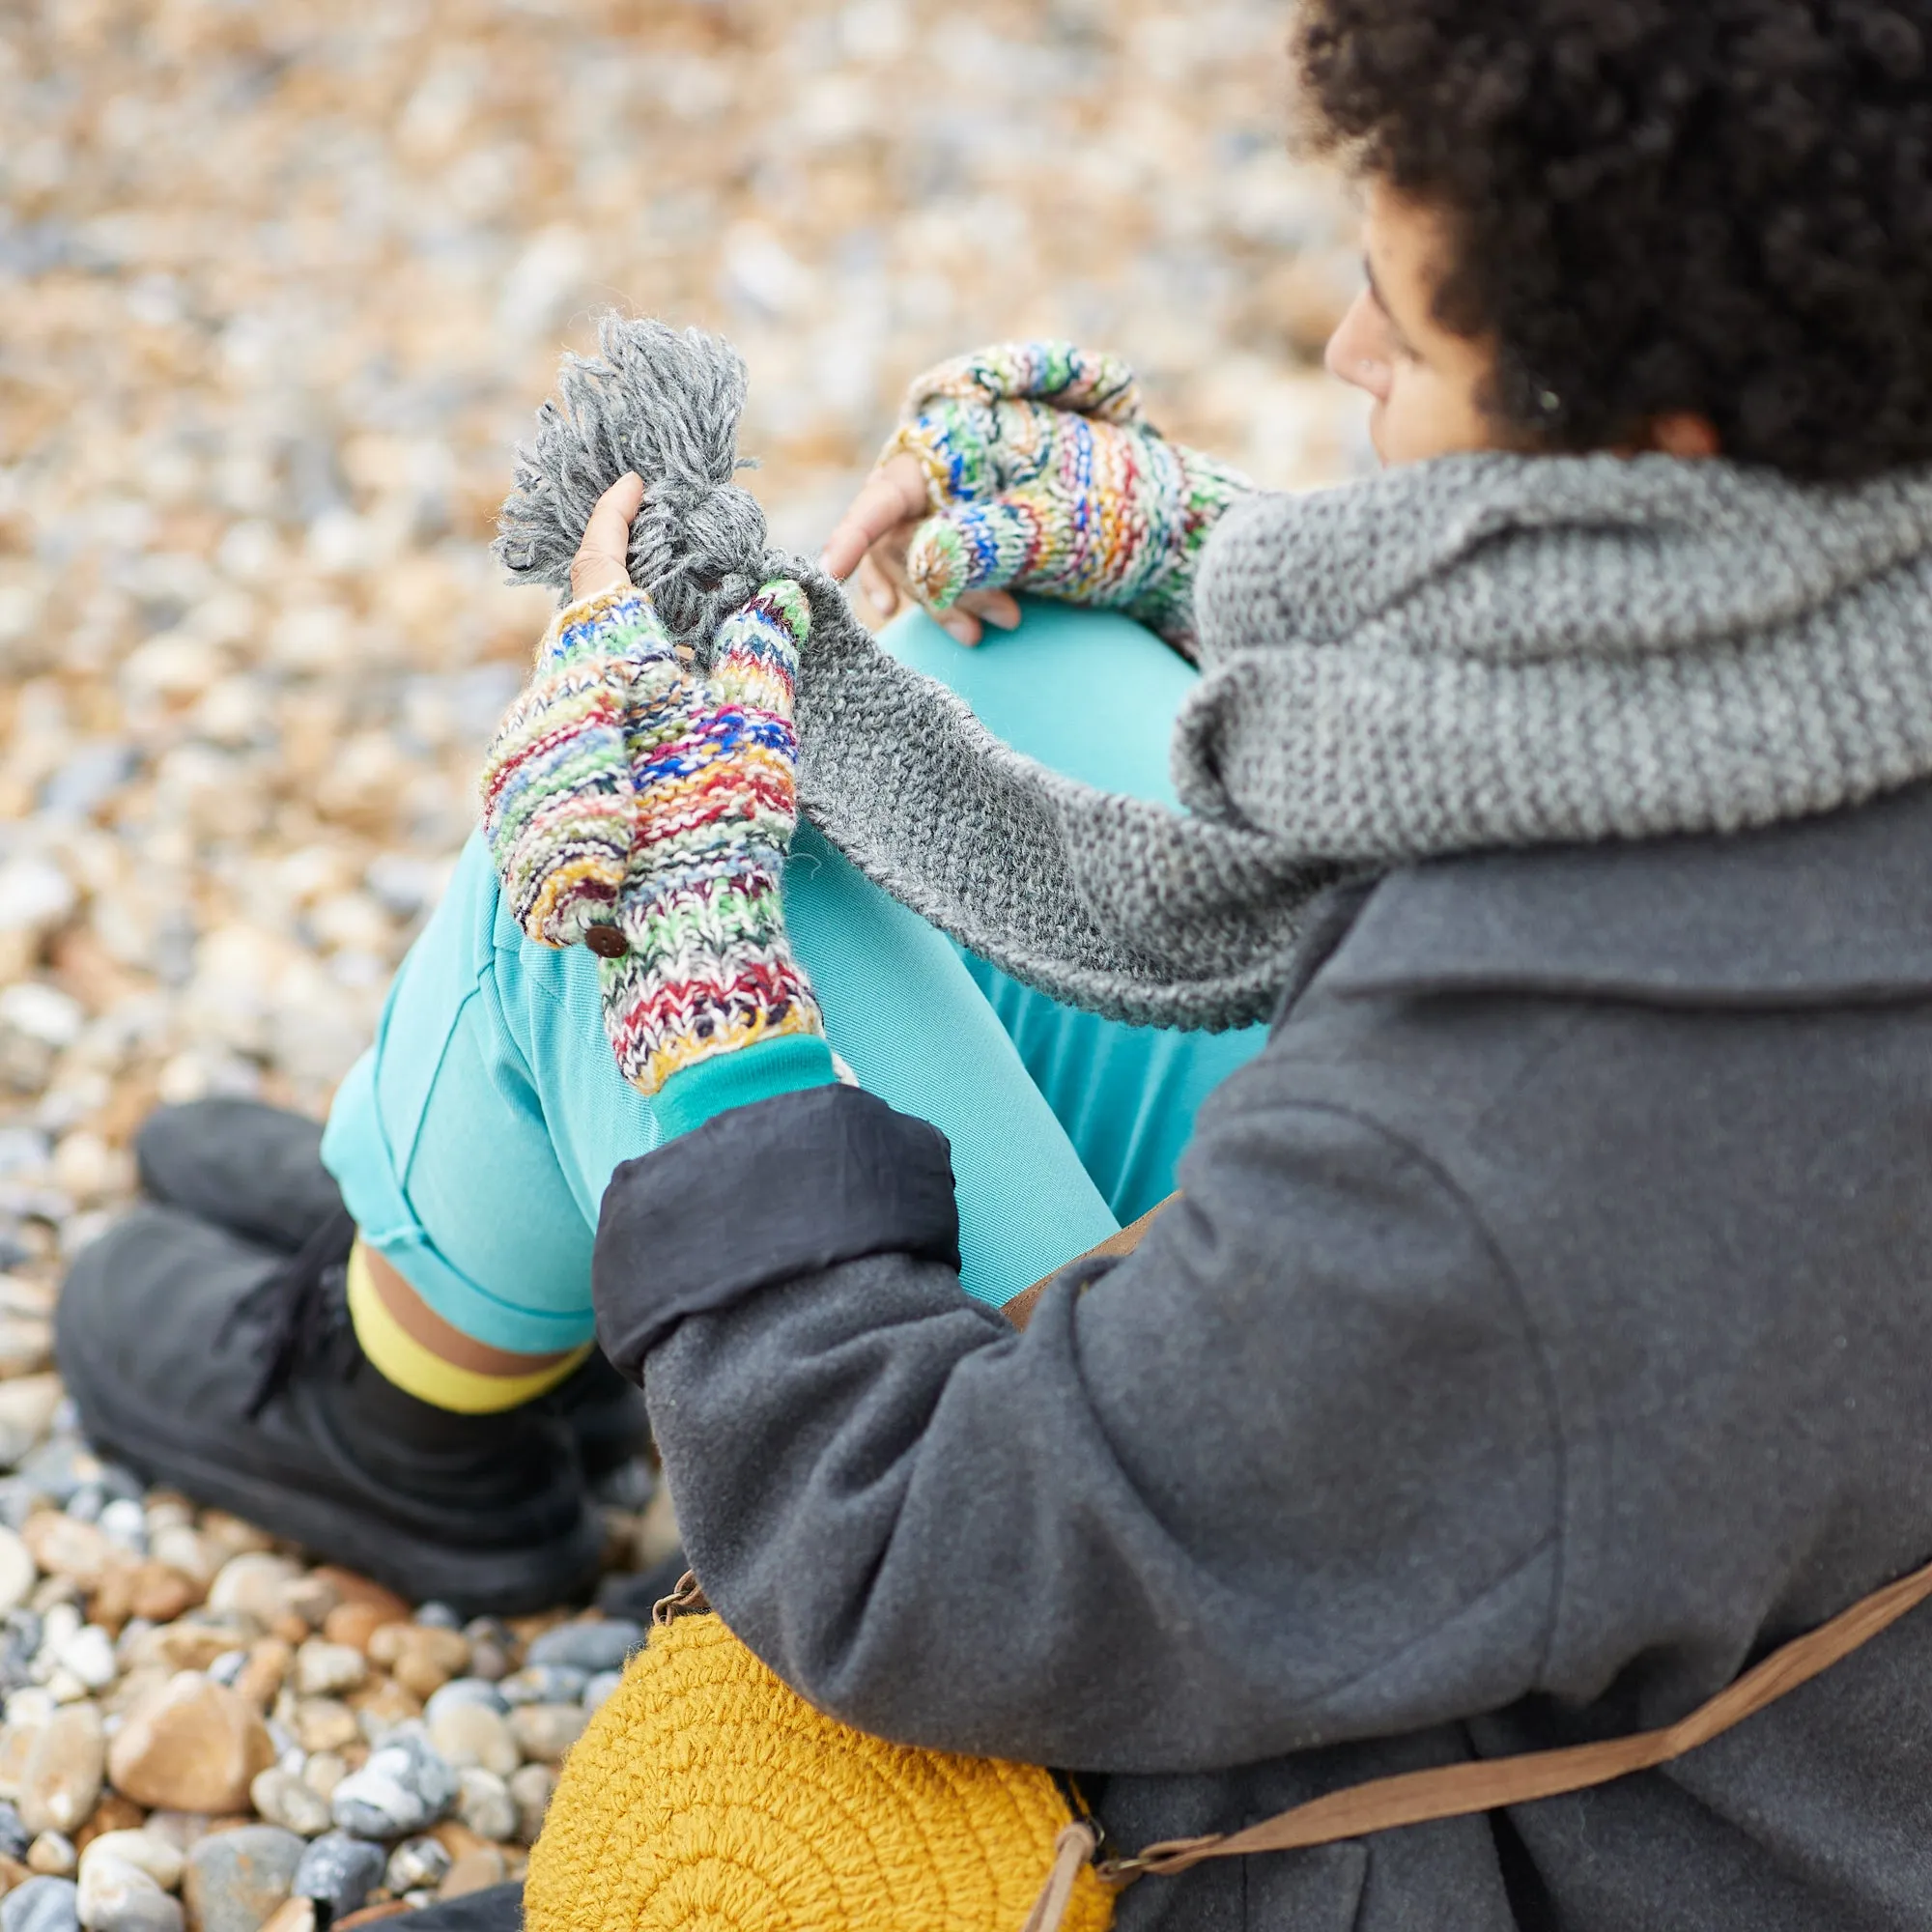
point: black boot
(257, 1170)
(232, 1372)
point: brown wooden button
(607, 941)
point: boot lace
(306, 1307)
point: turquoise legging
(472, 1142)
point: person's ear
(1685, 434)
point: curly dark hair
(1715, 205)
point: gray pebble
(599, 1687)
(545, 1684)
(228, 1666)
(489, 1661)
(404, 1787)
(587, 1647)
(437, 1616)
(336, 1872)
(414, 1864)
(41, 1905)
(234, 1879)
(484, 1805)
(14, 1838)
(530, 1790)
(464, 1690)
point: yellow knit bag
(704, 1796)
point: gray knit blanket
(1476, 652)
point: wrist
(607, 623)
(709, 970)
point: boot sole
(533, 1577)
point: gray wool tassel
(664, 403)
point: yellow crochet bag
(706, 1796)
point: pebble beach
(280, 287)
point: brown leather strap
(1462, 1790)
(1020, 1310)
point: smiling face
(1427, 384)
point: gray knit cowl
(1475, 652)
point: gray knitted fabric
(1480, 651)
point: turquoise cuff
(738, 1079)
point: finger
(893, 493)
(997, 608)
(600, 562)
(875, 580)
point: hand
(559, 802)
(646, 811)
(699, 962)
(872, 536)
(1040, 473)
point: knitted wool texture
(1043, 476)
(628, 791)
(1482, 651)
(704, 1793)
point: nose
(1356, 354)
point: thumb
(602, 558)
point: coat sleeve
(1287, 1475)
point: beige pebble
(323, 1670)
(473, 1735)
(543, 1732)
(52, 1855)
(419, 1657)
(65, 1547)
(472, 1872)
(62, 1778)
(253, 1583)
(148, 1850)
(193, 1745)
(324, 1725)
(530, 1791)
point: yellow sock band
(420, 1372)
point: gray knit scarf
(1476, 652)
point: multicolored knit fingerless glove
(694, 960)
(1042, 476)
(558, 806)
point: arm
(1284, 1476)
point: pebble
(543, 1732)
(471, 1734)
(196, 1745)
(414, 1864)
(477, 1869)
(151, 1852)
(421, 1657)
(235, 1880)
(62, 1779)
(599, 1687)
(117, 1896)
(324, 1771)
(14, 1838)
(18, 1571)
(484, 1805)
(64, 1547)
(464, 1690)
(337, 1871)
(41, 1905)
(404, 1787)
(284, 1798)
(323, 1669)
(589, 1647)
(253, 1583)
(53, 1854)
(326, 1724)
(530, 1791)
(88, 1656)
(546, 1684)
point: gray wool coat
(1544, 1334)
